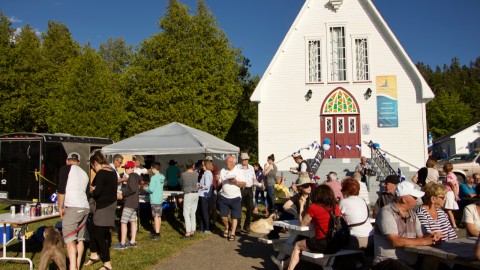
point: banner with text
(387, 101)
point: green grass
(146, 255)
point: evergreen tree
(88, 102)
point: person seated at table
(388, 196)
(318, 214)
(355, 212)
(292, 206)
(398, 226)
(467, 192)
(471, 217)
(432, 217)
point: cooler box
(9, 233)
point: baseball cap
(74, 155)
(392, 179)
(209, 158)
(129, 165)
(406, 188)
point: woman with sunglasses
(432, 217)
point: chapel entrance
(340, 122)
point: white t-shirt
(230, 190)
(354, 210)
(470, 215)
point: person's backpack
(338, 233)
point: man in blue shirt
(467, 192)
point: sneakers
(130, 244)
(155, 237)
(120, 246)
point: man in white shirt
(247, 191)
(230, 196)
(117, 161)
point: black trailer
(29, 162)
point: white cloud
(14, 19)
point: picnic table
(457, 251)
(22, 221)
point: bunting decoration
(359, 147)
(339, 147)
(348, 147)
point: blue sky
(431, 31)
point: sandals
(91, 261)
(231, 237)
(225, 234)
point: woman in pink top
(451, 198)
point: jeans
(259, 191)
(204, 217)
(270, 198)
(247, 200)
(190, 203)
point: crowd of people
(401, 220)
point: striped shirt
(441, 224)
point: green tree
(88, 101)
(446, 112)
(116, 53)
(7, 73)
(188, 73)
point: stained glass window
(340, 102)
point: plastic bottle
(38, 209)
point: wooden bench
(327, 260)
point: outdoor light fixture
(367, 94)
(308, 96)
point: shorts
(74, 217)
(317, 245)
(450, 202)
(234, 205)
(128, 215)
(156, 210)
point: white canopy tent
(172, 139)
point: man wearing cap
(387, 196)
(397, 226)
(303, 165)
(230, 197)
(335, 185)
(73, 207)
(247, 191)
(130, 195)
(173, 176)
(139, 163)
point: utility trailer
(29, 162)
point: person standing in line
(155, 189)
(73, 207)
(231, 197)
(247, 190)
(205, 190)
(259, 187)
(117, 161)
(173, 176)
(130, 196)
(189, 181)
(270, 172)
(212, 202)
(104, 192)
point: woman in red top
(318, 215)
